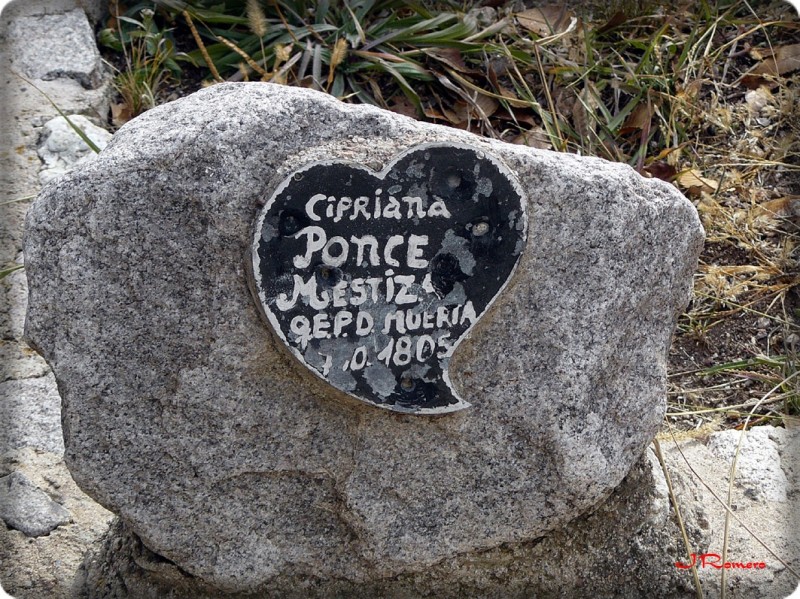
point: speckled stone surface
(61, 147)
(183, 414)
(30, 410)
(25, 507)
(72, 50)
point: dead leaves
(121, 113)
(785, 207)
(639, 120)
(617, 19)
(546, 20)
(783, 60)
(583, 110)
(450, 57)
(694, 183)
(661, 169)
(462, 113)
(536, 137)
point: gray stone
(626, 548)
(761, 530)
(17, 294)
(54, 46)
(94, 9)
(184, 416)
(34, 567)
(758, 464)
(28, 509)
(18, 361)
(30, 412)
(619, 551)
(61, 147)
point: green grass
(150, 57)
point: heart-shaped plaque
(373, 279)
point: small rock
(485, 16)
(758, 467)
(757, 99)
(62, 148)
(56, 46)
(28, 509)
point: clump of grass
(631, 87)
(150, 58)
(370, 51)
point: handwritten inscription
(372, 279)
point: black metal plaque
(372, 279)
